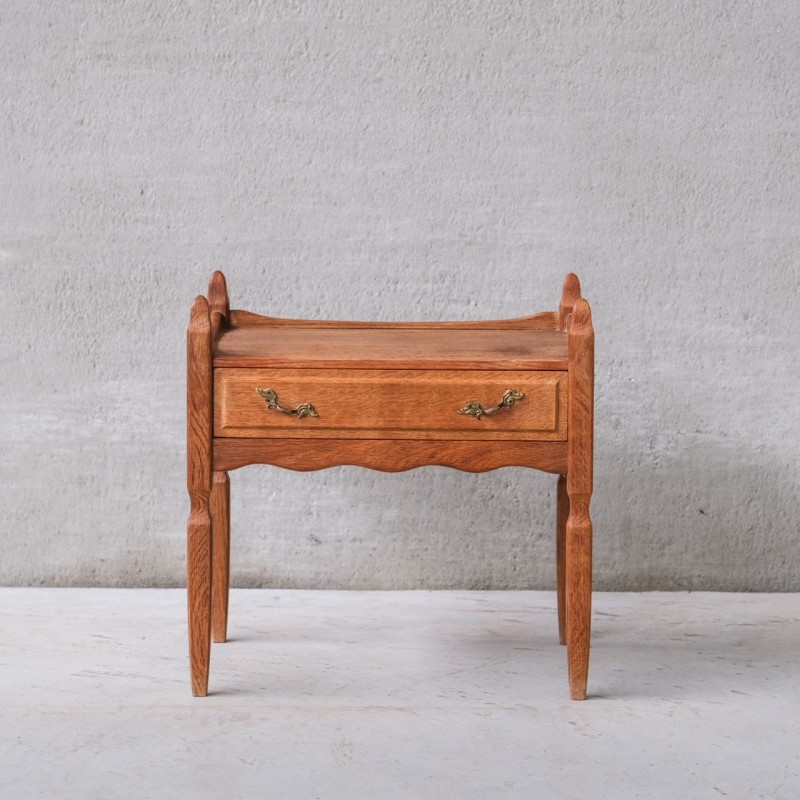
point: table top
(386, 347)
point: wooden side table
(391, 396)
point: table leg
(221, 515)
(562, 512)
(198, 583)
(580, 412)
(198, 481)
(578, 593)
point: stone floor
(381, 695)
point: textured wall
(402, 160)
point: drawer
(401, 404)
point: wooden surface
(198, 450)
(219, 308)
(396, 404)
(305, 455)
(570, 294)
(391, 348)
(562, 512)
(218, 303)
(387, 395)
(579, 488)
(545, 320)
(221, 519)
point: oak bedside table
(308, 394)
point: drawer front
(402, 404)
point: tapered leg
(562, 511)
(199, 590)
(220, 513)
(578, 594)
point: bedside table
(306, 394)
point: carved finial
(218, 301)
(218, 294)
(200, 318)
(569, 295)
(581, 317)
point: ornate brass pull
(475, 409)
(271, 399)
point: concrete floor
(398, 695)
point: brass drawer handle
(271, 399)
(475, 409)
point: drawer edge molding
(371, 404)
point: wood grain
(392, 348)
(199, 532)
(396, 456)
(220, 488)
(387, 395)
(218, 303)
(391, 404)
(579, 488)
(221, 517)
(562, 512)
(545, 320)
(570, 294)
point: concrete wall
(402, 160)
